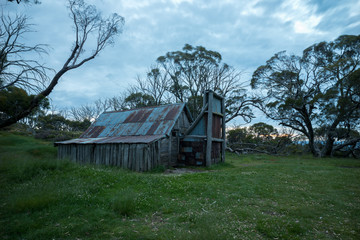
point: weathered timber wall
(136, 157)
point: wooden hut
(138, 139)
(144, 138)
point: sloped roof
(157, 120)
(143, 125)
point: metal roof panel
(157, 120)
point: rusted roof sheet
(158, 120)
(123, 139)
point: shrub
(33, 202)
(124, 203)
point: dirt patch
(182, 170)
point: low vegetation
(248, 197)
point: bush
(55, 135)
(33, 202)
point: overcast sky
(246, 33)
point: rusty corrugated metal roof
(143, 125)
(122, 139)
(158, 120)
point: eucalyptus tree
(186, 74)
(90, 27)
(263, 130)
(320, 89)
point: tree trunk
(328, 147)
(35, 102)
(313, 149)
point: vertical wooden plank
(146, 156)
(122, 160)
(126, 155)
(204, 99)
(112, 154)
(118, 154)
(143, 154)
(223, 144)
(95, 153)
(107, 154)
(142, 162)
(101, 154)
(137, 157)
(73, 152)
(79, 153)
(209, 129)
(158, 154)
(169, 150)
(153, 156)
(133, 157)
(59, 152)
(98, 154)
(104, 158)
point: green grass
(249, 197)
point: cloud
(246, 33)
(301, 14)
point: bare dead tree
(85, 112)
(88, 23)
(92, 111)
(15, 69)
(117, 103)
(156, 85)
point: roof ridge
(146, 107)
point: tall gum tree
(186, 74)
(320, 89)
(89, 26)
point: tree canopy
(321, 88)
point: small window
(174, 133)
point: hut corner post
(223, 136)
(209, 129)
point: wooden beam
(209, 129)
(197, 120)
(194, 136)
(219, 114)
(218, 140)
(223, 145)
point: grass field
(249, 197)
